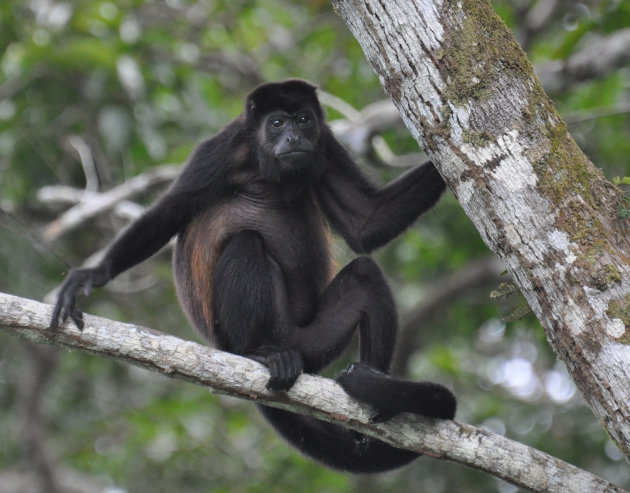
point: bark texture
(468, 94)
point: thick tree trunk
(468, 94)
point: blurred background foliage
(94, 93)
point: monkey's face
(290, 142)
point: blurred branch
(95, 204)
(312, 395)
(240, 64)
(33, 389)
(443, 292)
(595, 113)
(536, 17)
(598, 58)
(63, 195)
(87, 161)
(359, 130)
(126, 210)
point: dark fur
(253, 270)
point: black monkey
(253, 269)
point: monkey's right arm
(139, 241)
(201, 182)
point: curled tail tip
(390, 395)
(449, 405)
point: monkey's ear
(251, 107)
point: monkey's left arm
(368, 217)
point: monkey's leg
(242, 306)
(248, 291)
(358, 295)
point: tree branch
(98, 203)
(360, 131)
(241, 377)
(598, 58)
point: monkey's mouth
(294, 157)
(293, 154)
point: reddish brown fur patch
(333, 264)
(198, 269)
(202, 262)
(201, 245)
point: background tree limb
(99, 203)
(598, 58)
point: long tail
(340, 448)
(335, 446)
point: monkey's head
(286, 119)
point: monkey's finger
(361, 441)
(64, 311)
(54, 321)
(292, 367)
(296, 367)
(67, 307)
(272, 383)
(57, 312)
(67, 298)
(287, 375)
(77, 318)
(381, 415)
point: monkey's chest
(295, 238)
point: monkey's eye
(277, 122)
(304, 120)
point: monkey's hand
(285, 365)
(65, 307)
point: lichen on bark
(473, 56)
